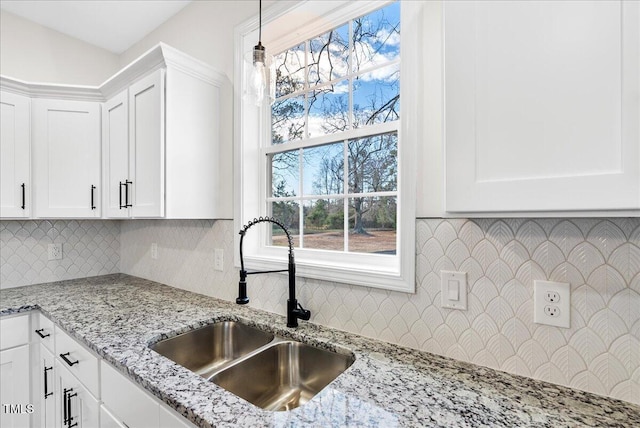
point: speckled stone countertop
(118, 316)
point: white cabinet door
(77, 405)
(15, 387)
(147, 148)
(115, 153)
(66, 158)
(15, 144)
(46, 398)
(542, 106)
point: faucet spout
(295, 311)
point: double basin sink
(268, 371)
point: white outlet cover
(54, 252)
(563, 289)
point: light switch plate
(453, 290)
(552, 303)
(218, 259)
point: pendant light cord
(260, 22)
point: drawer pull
(47, 394)
(67, 407)
(39, 331)
(66, 360)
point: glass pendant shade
(258, 78)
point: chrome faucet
(295, 311)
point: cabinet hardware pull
(47, 394)
(24, 197)
(120, 195)
(126, 193)
(67, 407)
(66, 360)
(93, 205)
(64, 405)
(39, 332)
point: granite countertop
(118, 316)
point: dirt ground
(377, 241)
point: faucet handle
(302, 313)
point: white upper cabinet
(159, 130)
(115, 155)
(542, 106)
(66, 158)
(15, 151)
(166, 145)
(133, 150)
(146, 146)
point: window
(330, 156)
(338, 102)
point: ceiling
(114, 25)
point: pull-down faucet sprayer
(295, 311)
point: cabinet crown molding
(161, 55)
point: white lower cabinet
(46, 396)
(15, 386)
(125, 404)
(77, 406)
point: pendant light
(259, 80)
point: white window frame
(283, 26)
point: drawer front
(107, 420)
(129, 404)
(14, 331)
(43, 331)
(79, 360)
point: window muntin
(343, 121)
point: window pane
(329, 56)
(323, 170)
(376, 96)
(329, 109)
(288, 213)
(372, 225)
(289, 67)
(376, 37)
(287, 120)
(324, 224)
(285, 172)
(373, 163)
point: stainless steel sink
(266, 370)
(284, 375)
(208, 349)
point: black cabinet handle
(39, 332)
(47, 394)
(126, 193)
(66, 360)
(24, 197)
(66, 407)
(120, 195)
(93, 205)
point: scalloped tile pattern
(90, 248)
(600, 353)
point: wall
(90, 247)
(31, 52)
(199, 31)
(599, 257)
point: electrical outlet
(551, 296)
(552, 303)
(54, 252)
(218, 259)
(154, 251)
(552, 311)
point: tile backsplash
(90, 248)
(502, 257)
